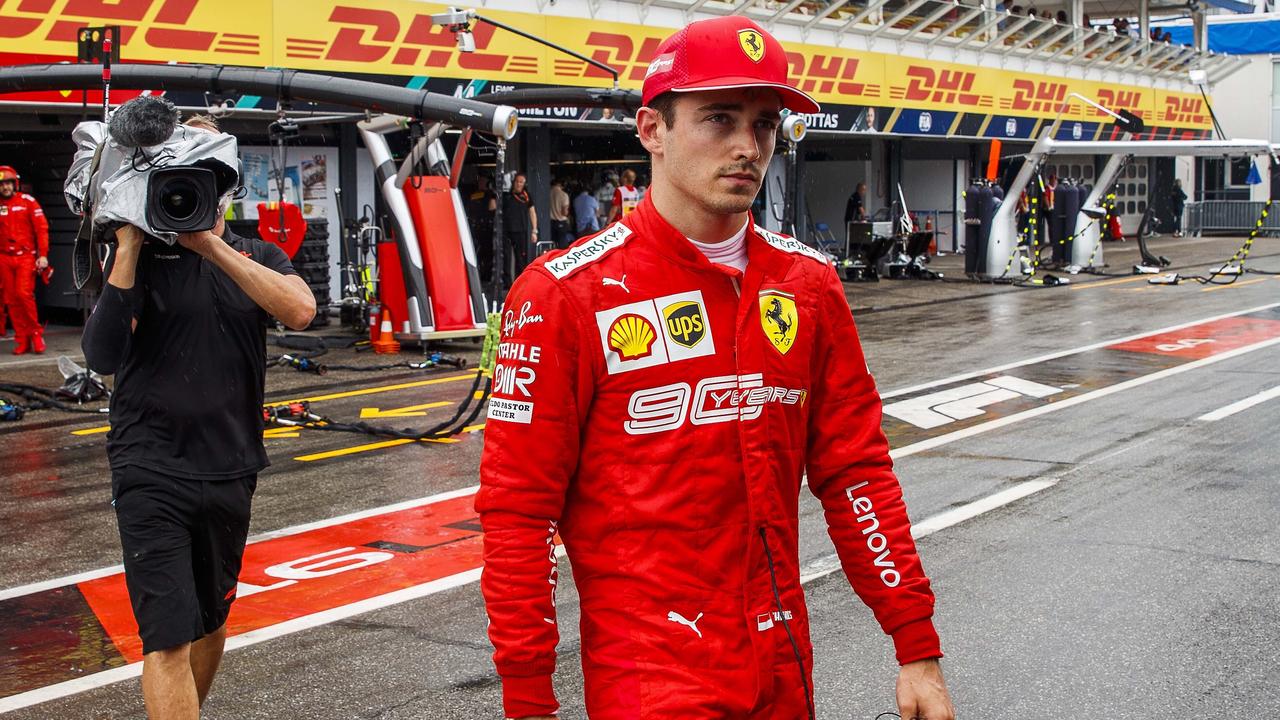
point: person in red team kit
(626, 197)
(24, 251)
(662, 389)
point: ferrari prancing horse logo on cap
(751, 43)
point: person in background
(519, 222)
(183, 329)
(1177, 203)
(625, 197)
(24, 251)
(587, 212)
(4, 318)
(559, 214)
(604, 194)
(855, 210)
(480, 205)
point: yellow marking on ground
(1105, 283)
(380, 445)
(1236, 284)
(410, 411)
(333, 396)
(351, 450)
(92, 430)
(375, 390)
(283, 431)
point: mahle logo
(685, 325)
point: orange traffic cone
(386, 342)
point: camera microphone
(144, 121)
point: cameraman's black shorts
(183, 541)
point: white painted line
(70, 687)
(126, 672)
(283, 532)
(1241, 405)
(49, 359)
(934, 442)
(955, 516)
(829, 564)
(65, 580)
(1065, 353)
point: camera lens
(179, 199)
(182, 199)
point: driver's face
(8, 188)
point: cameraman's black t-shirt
(188, 395)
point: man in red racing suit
(659, 412)
(24, 250)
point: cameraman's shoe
(21, 345)
(37, 343)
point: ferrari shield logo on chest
(752, 44)
(779, 319)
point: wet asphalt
(1144, 583)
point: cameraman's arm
(107, 332)
(285, 297)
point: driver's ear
(651, 129)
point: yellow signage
(397, 37)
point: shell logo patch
(752, 44)
(632, 336)
(779, 319)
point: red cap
(8, 173)
(724, 52)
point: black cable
(782, 615)
(1241, 255)
(1212, 114)
(440, 431)
(38, 398)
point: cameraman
(183, 328)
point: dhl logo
(950, 87)
(368, 35)
(1130, 100)
(161, 24)
(824, 74)
(1036, 97)
(1188, 110)
(827, 74)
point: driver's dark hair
(665, 105)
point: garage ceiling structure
(1055, 39)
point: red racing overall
(24, 236)
(659, 413)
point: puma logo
(677, 618)
(617, 283)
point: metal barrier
(1229, 216)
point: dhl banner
(397, 38)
